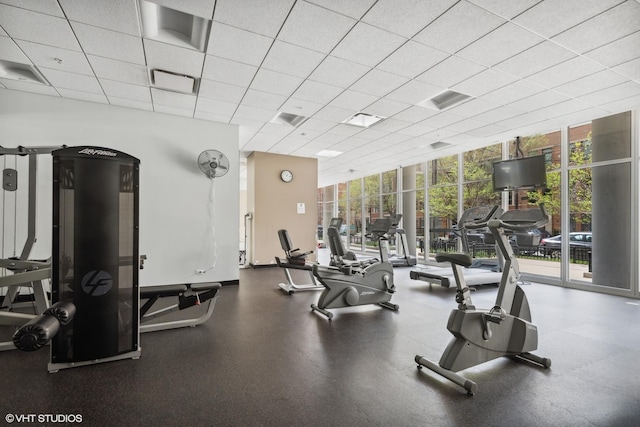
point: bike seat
(455, 258)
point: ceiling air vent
(363, 120)
(292, 120)
(444, 100)
(439, 144)
(174, 82)
(23, 72)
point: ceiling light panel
(174, 27)
(288, 119)
(202, 8)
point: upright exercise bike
(506, 329)
(351, 283)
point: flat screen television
(526, 172)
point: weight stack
(95, 255)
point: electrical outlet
(200, 271)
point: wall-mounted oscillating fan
(213, 163)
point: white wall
(176, 223)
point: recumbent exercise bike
(352, 283)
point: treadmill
(404, 258)
(482, 271)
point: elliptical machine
(351, 283)
(504, 330)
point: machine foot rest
(321, 310)
(530, 357)
(389, 305)
(467, 384)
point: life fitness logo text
(94, 152)
(97, 283)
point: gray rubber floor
(265, 359)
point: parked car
(577, 239)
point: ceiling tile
(484, 82)
(316, 92)
(352, 100)
(406, 21)
(500, 44)
(450, 71)
(120, 71)
(213, 117)
(77, 82)
(505, 8)
(378, 82)
(445, 32)
(83, 96)
(113, 88)
(367, 45)
(333, 114)
(260, 16)
(393, 125)
(535, 59)
(173, 99)
(175, 59)
(565, 72)
(291, 59)
(28, 87)
(314, 27)
(412, 59)
(260, 99)
(552, 17)
(116, 15)
(352, 8)
(214, 106)
(617, 52)
(629, 69)
(415, 114)
(474, 107)
(414, 92)
(591, 83)
(56, 58)
(338, 72)
(273, 82)
(46, 7)
(316, 125)
(256, 114)
(221, 91)
(611, 25)
(238, 45)
(519, 89)
(202, 8)
(415, 130)
(174, 111)
(300, 107)
(9, 51)
(540, 100)
(441, 120)
(227, 71)
(130, 103)
(36, 27)
(612, 94)
(109, 44)
(386, 107)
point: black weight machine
(504, 330)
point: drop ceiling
(527, 67)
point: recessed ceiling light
(363, 120)
(444, 100)
(23, 72)
(289, 119)
(328, 153)
(174, 27)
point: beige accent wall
(274, 205)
